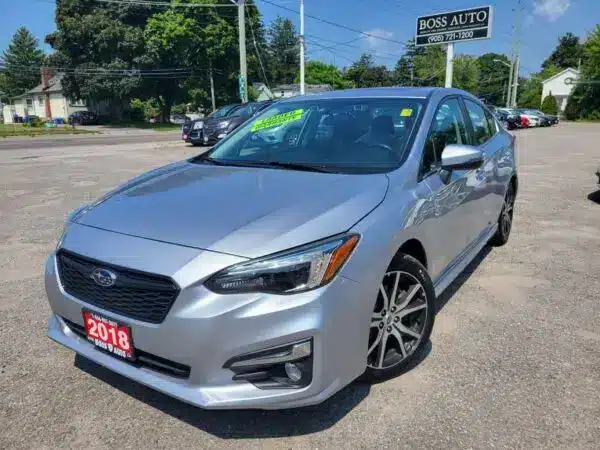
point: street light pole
(302, 89)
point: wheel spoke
(381, 349)
(377, 341)
(408, 331)
(410, 294)
(386, 301)
(376, 317)
(396, 333)
(395, 290)
(406, 312)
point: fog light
(293, 372)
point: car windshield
(222, 112)
(361, 135)
(245, 111)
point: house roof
(568, 69)
(54, 85)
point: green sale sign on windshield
(278, 120)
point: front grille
(149, 360)
(138, 295)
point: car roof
(383, 92)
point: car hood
(241, 211)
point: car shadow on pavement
(594, 197)
(462, 278)
(238, 424)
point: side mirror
(461, 157)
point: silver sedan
(272, 273)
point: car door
(450, 227)
(484, 132)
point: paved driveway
(514, 359)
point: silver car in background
(271, 274)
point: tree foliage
(284, 50)
(567, 53)
(22, 60)
(318, 72)
(364, 73)
(493, 78)
(549, 105)
(466, 73)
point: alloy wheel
(398, 320)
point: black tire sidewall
(407, 263)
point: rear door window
(482, 130)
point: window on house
(29, 102)
(76, 102)
(40, 101)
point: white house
(560, 86)
(45, 101)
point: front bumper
(204, 330)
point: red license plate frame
(118, 342)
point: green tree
(22, 61)
(364, 73)
(567, 53)
(284, 50)
(549, 105)
(403, 72)
(430, 66)
(573, 108)
(318, 72)
(590, 74)
(493, 78)
(466, 73)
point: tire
(403, 333)
(506, 218)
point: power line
(348, 44)
(257, 51)
(334, 24)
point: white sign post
(455, 26)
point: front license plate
(205, 140)
(108, 335)
(184, 137)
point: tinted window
(222, 112)
(350, 135)
(491, 122)
(482, 131)
(448, 127)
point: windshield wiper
(283, 165)
(296, 166)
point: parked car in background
(83, 118)
(546, 120)
(272, 274)
(191, 132)
(216, 129)
(529, 118)
(509, 118)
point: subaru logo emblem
(103, 277)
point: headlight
(224, 124)
(289, 272)
(198, 125)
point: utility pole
(516, 55)
(243, 80)
(449, 64)
(302, 89)
(509, 86)
(412, 74)
(212, 89)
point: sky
(543, 22)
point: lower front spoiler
(238, 395)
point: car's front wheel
(402, 319)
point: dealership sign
(456, 26)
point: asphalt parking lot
(514, 360)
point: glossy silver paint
(188, 222)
